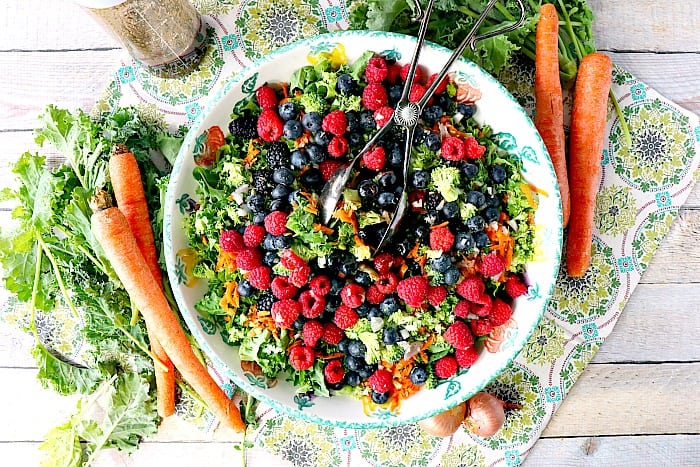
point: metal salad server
(406, 116)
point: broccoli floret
(392, 353)
(235, 175)
(312, 102)
(347, 102)
(362, 325)
(446, 182)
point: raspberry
(335, 122)
(328, 168)
(466, 357)
(253, 235)
(515, 287)
(352, 295)
(312, 332)
(500, 312)
(417, 92)
(282, 289)
(471, 288)
(413, 290)
(393, 72)
(270, 126)
(453, 149)
(387, 283)
(260, 278)
(332, 334)
(482, 305)
(440, 87)
(441, 239)
(320, 285)
(375, 158)
(383, 115)
(266, 97)
(417, 75)
(492, 265)
(334, 372)
(437, 295)
(345, 317)
(285, 312)
(311, 305)
(276, 222)
(383, 262)
(446, 367)
(338, 147)
(301, 357)
(290, 260)
(231, 240)
(249, 259)
(472, 148)
(381, 381)
(458, 335)
(480, 327)
(374, 96)
(374, 296)
(300, 276)
(376, 70)
(462, 309)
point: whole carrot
(125, 176)
(114, 235)
(586, 139)
(549, 106)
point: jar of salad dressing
(166, 37)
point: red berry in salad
(266, 97)
(440, 87)
(416, 93)
(270, 126)
(413, 290)
(466, 357)
(376, 70)
(285, 312)
(453, 149)
(334, 372)
(515, 287)
(373, 295)
(332, 334)
(312, 332)
(381, 381)
(446, 367)
(387, 283)
(276, 222)
(337, 147)
(441, 239)
(383, 115)
(260, 278)
(311, 305)
(301, 357)
(300, 276)
(374, 96)
(480, 327)
(253, 235)
(282, 288)
(291, 260)
(335, 122)
(471, 288)
(436, 295)
(492, 265)
(458, 335)
(417, 75)
(345, 317)
(482, 305)
(383, 263)
(462, 309)
(375, 158)
(500, 312)
(231, 241)
(352, 295)
(472, 148)
(320, 285)
(248, 259)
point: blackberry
(261, 180)
(278, 155)
(265, 302)
(432, 200)
(244, 127)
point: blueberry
(353, 363)
(336, 386)
(422, 233)
(402, 247)
(294, 197)
(259, 218)
(431, 217)
(355, 139)
(396, 156)
(363, 279)
(468, 170)
(288, 111)
(322, 138)
(353, 118)
(432, 114)
(269, 242)
(368, 189)
(346, 84)
(299, 159)
(336, 285)
(270, 258)
(432, 142)
(343, 345)
(476, 198)
(367, 120)
(280, 191)
(451, 276)
(312, 121)
(493, 201)
(390, 335)
(419, 179)
(283, 176)
(292, 129)
(256, 202)
(374, 312)
(312, 177)
(418, 375)
(387, 179)
(491, 214)
(357, 349)
(282, 242)
(464, 241)
(367, 370)
(420, 135)
(476, 223)
(481, 240)
(467, 110)
(450, 210)
(394, 93)
(348, 268)
(352, 378)
(389, 305)
(441, 263)
(316, 153)
(497, 173)
(386, 199)
(245, 289)
(362, 310)
(380, 397)
(299, 323)
(278, 204)
(442, 100)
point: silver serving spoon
(406, 116)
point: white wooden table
(637, 403)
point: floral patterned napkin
(643, 187)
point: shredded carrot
(226, 260)
(537, 189)
(303, 140)
(252, 154)
(323, 228)
(528, 194)
(414, 251)
(231, 299)
(347, 216)
(437, 226)
(311, 209)
(502, 243)
(285, 89)
(331, 356)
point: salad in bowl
(317, 319)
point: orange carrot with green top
(586, 139)
(549, 106)
(128, 191)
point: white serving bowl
(515, 134)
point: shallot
(486, 414)
(445, 423)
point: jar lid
(99, 3)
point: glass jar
(166, 37)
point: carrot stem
(59, 276)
